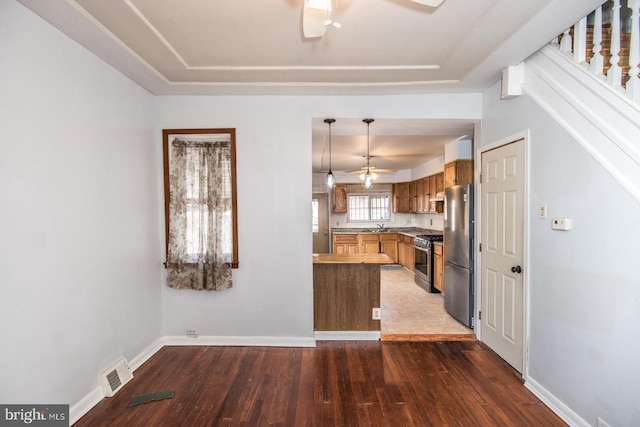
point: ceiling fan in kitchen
(317, 15)
(372, 169)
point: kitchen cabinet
(339, 198)
(413, 196)
(440, 182)
(401, 203)
(345, 244)
(369, 243)
(438, 268)
(406, 256)
(389, 245)
(420, 201)
(458, 172)
(373, 243)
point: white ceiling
(256, 47)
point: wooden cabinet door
(340, 198)
(420, 205)
(369, 243)
(389, 245)
(450, 174)
(440, 182)
(438, 268)
(401, 197)
(413, 196)
(410, 256)
(432, 192)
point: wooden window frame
(166, 133)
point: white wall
(584, 284)
(272, 294)
(79, 244)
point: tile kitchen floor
(408, 309)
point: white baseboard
(96, 395)
(241, 341)
(555, 404)
(85, 404)
(347, 335)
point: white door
(502, 237)
(320, 208)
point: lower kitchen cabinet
(369, 243)
(389, 245)
(406, 254)
(345, 244)
(438, 268)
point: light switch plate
(542, 212)
(562, 224)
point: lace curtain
(199, 247)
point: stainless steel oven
(423, 263)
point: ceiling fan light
(337, 25)
(373, 175)
(328, 22)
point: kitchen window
(200, 208)
(369, 207)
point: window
(369, 207)
(200, 207)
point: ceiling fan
(317, 15)
(372, 168)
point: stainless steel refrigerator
(458, 250)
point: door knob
(516, 269)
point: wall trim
(556, 405)
(347, 335)
(240, 341)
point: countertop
(352, 259)
(410, 231)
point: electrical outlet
(375, 313)
(192, 333)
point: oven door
(422, 267)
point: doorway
(502, 254)
(320, 225)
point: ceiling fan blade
(431, 3)
(313, 21)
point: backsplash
(429, 221)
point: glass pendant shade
(368, 180)
(367, 183)
(329, 180)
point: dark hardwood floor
(335, 384)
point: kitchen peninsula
(346, 288)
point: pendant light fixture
(329, 180)
(368, 178)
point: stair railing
(622, 68)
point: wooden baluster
(614, 75)
(597, 61)
(633, 85)
(565, 43)
(580, 41)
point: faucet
(381, 226)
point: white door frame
(525, 136)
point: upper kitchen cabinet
(413, 196)
(440, 182)
(340, 198)
(458, 172)
(401, 197)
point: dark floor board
(384, 384)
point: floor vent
(115, 377)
